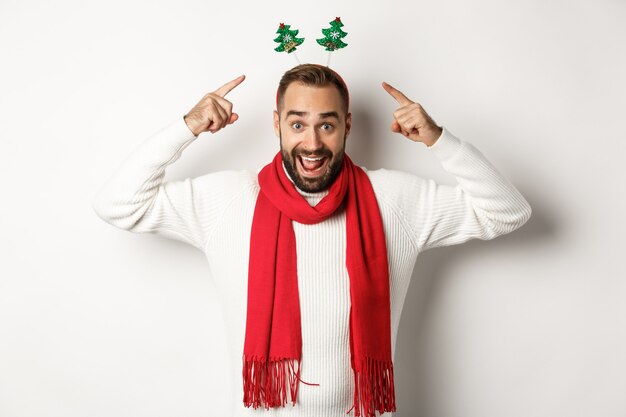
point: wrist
(191, 125)
(434, 137)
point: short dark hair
(312, 75)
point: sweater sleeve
(483, 205)
(136, 198)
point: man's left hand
(411, 120)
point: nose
(312, 141)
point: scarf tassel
(265, 382)
(373, 388)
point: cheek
(287, 142)
(336, 145)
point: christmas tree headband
(332, 40)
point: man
(312, 255)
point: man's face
(312, 128)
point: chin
(313, 184)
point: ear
(348, 123)
(276, 124)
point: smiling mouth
(311, 166)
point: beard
(321, 182)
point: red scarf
(273, 344)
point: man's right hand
(213, 112)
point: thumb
(395, 127)
(233, 118)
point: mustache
(321, 152)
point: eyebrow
(324, 115)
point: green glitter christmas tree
(287, 39)
(333, 35)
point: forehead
(313, 99)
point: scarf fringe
(265, 382)
(374, 388)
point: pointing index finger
(397, 94)
(226, 88)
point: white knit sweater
(214, 212)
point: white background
(96, 322)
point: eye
(296, 125)
(327, 126)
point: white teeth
(312, 159)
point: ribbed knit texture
(214, 212)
